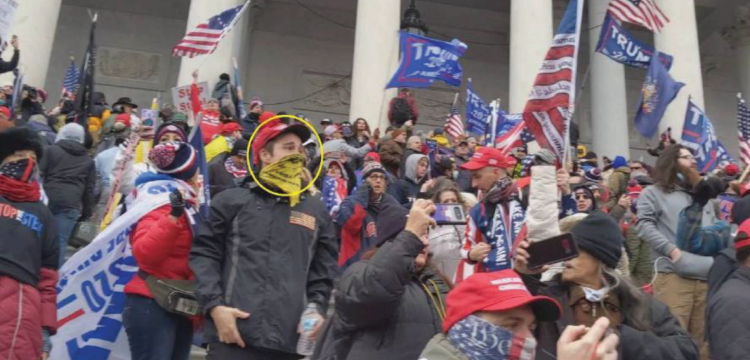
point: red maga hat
(274, 129)
(487, 156)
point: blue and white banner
(698, 134)
(424, 60)
(477, 111)
(617, 43)
(90, 297)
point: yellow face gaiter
(285, 175)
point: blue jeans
(65, 220)
(154, 333)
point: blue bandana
(479, 339)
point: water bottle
(305, 345)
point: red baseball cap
(745, 241)
(487, 156)
(496, 291)
(731, 169)
(274, 129)
(5, 111)
(230, 127)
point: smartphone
(449, 214)
(553, 250)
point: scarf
(18, 181)
(236, 171)
(285, 175)
(478, 339)
(505, 226)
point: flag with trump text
(699, 135)
(619, 45)
(743, 129)
(206, 36)
(477, 111)
(550, 104)
(424, 60)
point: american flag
(454, 126)
(743, 121)
(548, 110)
(515, 136)
(640, 12)
(204, 38)
(70, 83)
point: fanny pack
(175, 296)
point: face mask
(455, 174)
(21, 170)
(285, 175)
(595, 295)
(478, 339)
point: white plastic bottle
(305, 346)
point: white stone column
(738, 36)
(35, 23)
(530, 39)
(679, 38)
(609, 114)
(376, 42)
(210, 66)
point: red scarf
(19, 191)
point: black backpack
(401, 111)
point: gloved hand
(708, 188)
(177, 202)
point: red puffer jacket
(24, 310)
(160, 247)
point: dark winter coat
(724, 265)
(69, 176)
(666, 339)
(29, 252)
(382, 308)
(728, 318)
(391, 153)
(6, 66)
(219, 179)
(257, 254)
(249, 123)
(44, 131)
(464, 176)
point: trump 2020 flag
(658, 91)
(698, 134)
(550, 105)
(477, 111)
(424, 60)
(616, 43)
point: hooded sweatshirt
(406, 190)
(68, 171)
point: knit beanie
(239, 148)
(17, 139)
(397, 132)
(391, 221)
(174, 159)
(593, 175)
(71, 131)
(373, 156)
(170, 128)
(255, 102)
(619, 162)
(372, 167)
(599, 235)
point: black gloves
(708, 188)
(177, 202)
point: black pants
(219, 351)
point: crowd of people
(353, 261)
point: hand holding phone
(550, 251)
(449, 214)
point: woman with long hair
(362, 133)
(589, 287)
(446, 240)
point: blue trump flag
(698, 134)
(477, 111)
(658, 91)
(617, 43)
(424, 60)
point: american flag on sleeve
(549, 108)
(639, 12)
(205, 37)
(743, 122)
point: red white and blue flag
(70, 83)
(743, 122)
(550, 105)
(639, 12)
(205, 37)
(512, 133)
(454, 126)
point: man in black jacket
(727, 318)
(227, 170)
(259, 261)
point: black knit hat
(391, 221)
(19, 138)
(599, 235)
(741, 210)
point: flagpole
(495, 106)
